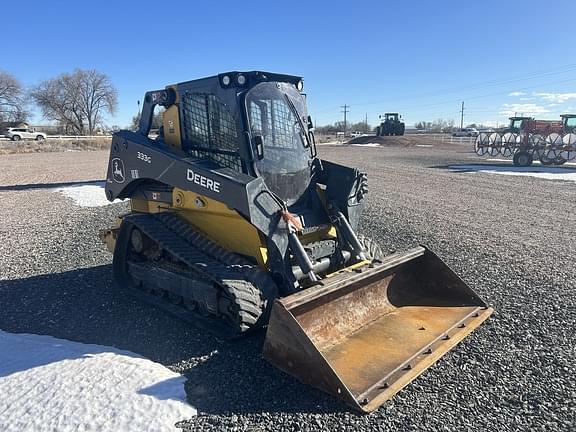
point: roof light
(241, 79)
(226, 80)
(300, 85)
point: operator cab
(516, 123)
(391, 116)
(568, 123)
(256, 123)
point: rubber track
(244, 283)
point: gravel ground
(40, 170)
(53, 145)
(510, 238)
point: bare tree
(77, 100)
(58, 101)
(98, 96)
(440, 125)
(157, 119)
(12, 100)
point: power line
(345, 111)
(485, 95)
(554, 71)
(434, 106)
(495, 83)
(450, 101)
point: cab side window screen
(210, 130)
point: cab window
(210, 130)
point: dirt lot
(33, 169)
(54, 145)
(510, 237)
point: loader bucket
(363, 336)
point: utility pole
(462, 116)
(366, 122)
(345, 111)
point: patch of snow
(548, 173)
(87, 195)
(424, 145)
(49, 384)
(503, 160)
(367, 145)
(535, 161)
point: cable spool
(509, 144)
(553, 145)
(495, 143)
(568, 151)
(481, 144)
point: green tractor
(392, 125)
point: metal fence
(67, 137)
(449, 139)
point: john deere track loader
(235, 222)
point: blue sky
(419, 58)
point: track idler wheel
(156, 292)
(190, 304)
(174, 298)
(139, 241)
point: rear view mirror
(310, 124)
(259, 144)
(312, 145)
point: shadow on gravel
(455, 164)
(223, 377)
(468, 167)
(459, 170)
(31, 186)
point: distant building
(20, 125)
(50, 129)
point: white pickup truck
(17, 134)
(466, 132)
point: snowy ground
(366, 145)
(548, 173)
(86, 195)
(49, 384)
(567, 164)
